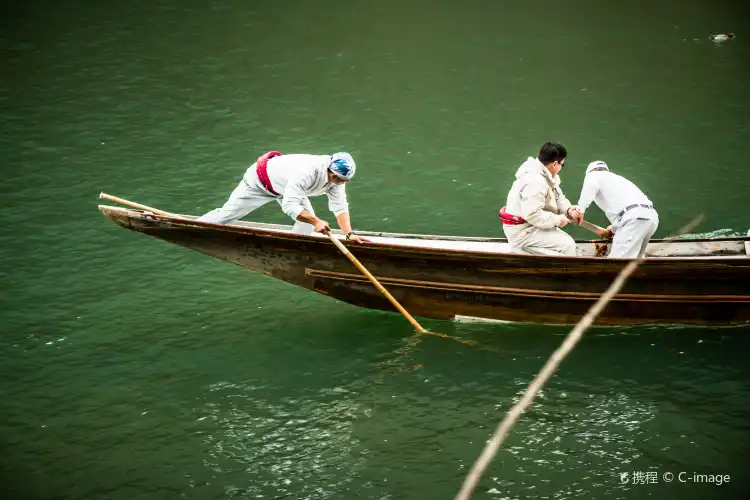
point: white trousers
(532, 239)
(244, 199)
(632, 236)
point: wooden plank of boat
(698, 281)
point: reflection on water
(299, 447)
(575, 438)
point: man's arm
(294, 194)
(588, 192)
(346, 226)
(569, 209)
(339, 205)
(344, 222)
(337, 202)
(291, 203)
(321, 226)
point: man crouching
(536, 208)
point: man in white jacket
(536, 207)
(631, 213)
(290, 180)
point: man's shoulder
(533, 180)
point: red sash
(511, 220)
(261, 169)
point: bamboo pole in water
(375, 282)
(472, 479)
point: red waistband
(511, 220)
(261, 169)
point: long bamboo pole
(375, 282)
(549, 368)
(133, 204)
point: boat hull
(442, 284)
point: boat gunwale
(253, 228)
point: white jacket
(298, 176)
(612, 193)
(536, 195)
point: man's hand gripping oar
(576, 215)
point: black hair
(552, 152)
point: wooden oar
(599, 231)
(133, 204)
(375, 282)
(390, 297)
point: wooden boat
(681, 281)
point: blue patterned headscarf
(342, 165)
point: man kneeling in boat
(290, 180)
(631, 213)
(536, 208)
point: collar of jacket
(554, 179)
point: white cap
(596, 164)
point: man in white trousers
(536, 207)
(290, 179)
(631, 213)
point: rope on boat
(472, 479)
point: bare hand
(608, 233)
(322, 227)
(562, 221)
(359, 239)
(576, 214)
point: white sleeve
(294, 194)
(588, 191)
(337, 202)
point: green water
(135, 369)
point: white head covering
(596, 164)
